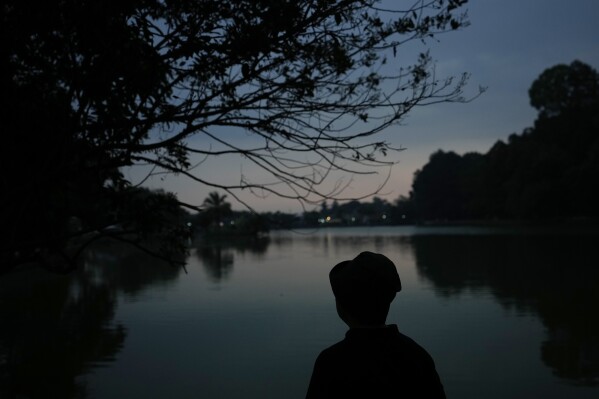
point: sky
(508, 44)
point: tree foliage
(215, 207)
(564, 88)
(92, 87)
(448, 185)
(549, 172)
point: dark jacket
(373, 363)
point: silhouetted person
(374, 360)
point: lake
(505, 313)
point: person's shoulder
(334, 353)
(408, 344)
(403, 338)
(334, 349)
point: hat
(367, 275)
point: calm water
(505, 314)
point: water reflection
(55, 329)
(50, 335)
(126, 269)
(552, 276)
(218, 255)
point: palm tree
(216, 207)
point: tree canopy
(549, 172)
(215, 207)
(92, 87)
(564, 88)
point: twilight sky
(508, 44)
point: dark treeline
(218, 218)
(549, 172)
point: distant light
(232, 222)
(328, 218)
(221, 224)
(353, 219)
(384, 216)
(188, 224)
(403, 216)
(320, 220)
